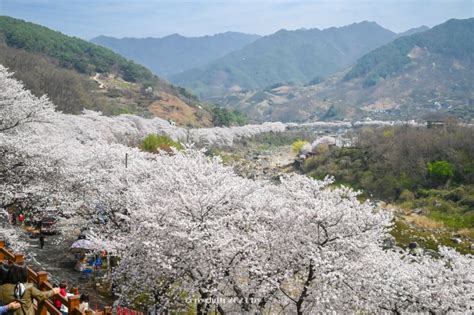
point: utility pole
(126, 160)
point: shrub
(467, 201)
(456, 194)
(298, 145)
(154, 143)
(227, 117)
(389, 133)
(441, 169)
(407, 195)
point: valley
(324, 166)
(409, 78)
(430, 218)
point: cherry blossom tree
(17, 105)
(191, 234)
(297, 247)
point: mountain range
(299, 57)
(175, 53)
(351, 72)
(415, 76)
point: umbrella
(82, 245)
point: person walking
(41, 239)
(16, 289)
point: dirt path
(282, 157)
(96, 79)
(56, 259)
(264, 163)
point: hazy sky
(141, 18)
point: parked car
(48, 226)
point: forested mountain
(71, 52)
(414, 76)
(452, 39)
(286, 56)
(414, 30)
(175, 53)
(76, 74)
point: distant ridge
(426, 74)
(176, 53)
(453, 39)
(414, 30)
(286, 56)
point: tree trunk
(304, 292)
(220, 310)
(202, 306)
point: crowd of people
(17, 294)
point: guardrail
(40, 279)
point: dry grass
(117, 82)
(171, 107)
(396, 208)
(423, 221)
(466, 232)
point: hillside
(452, 39)
(76, 74)
(412, 77)
(175, 53)
(414, 30)
(286, 56)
